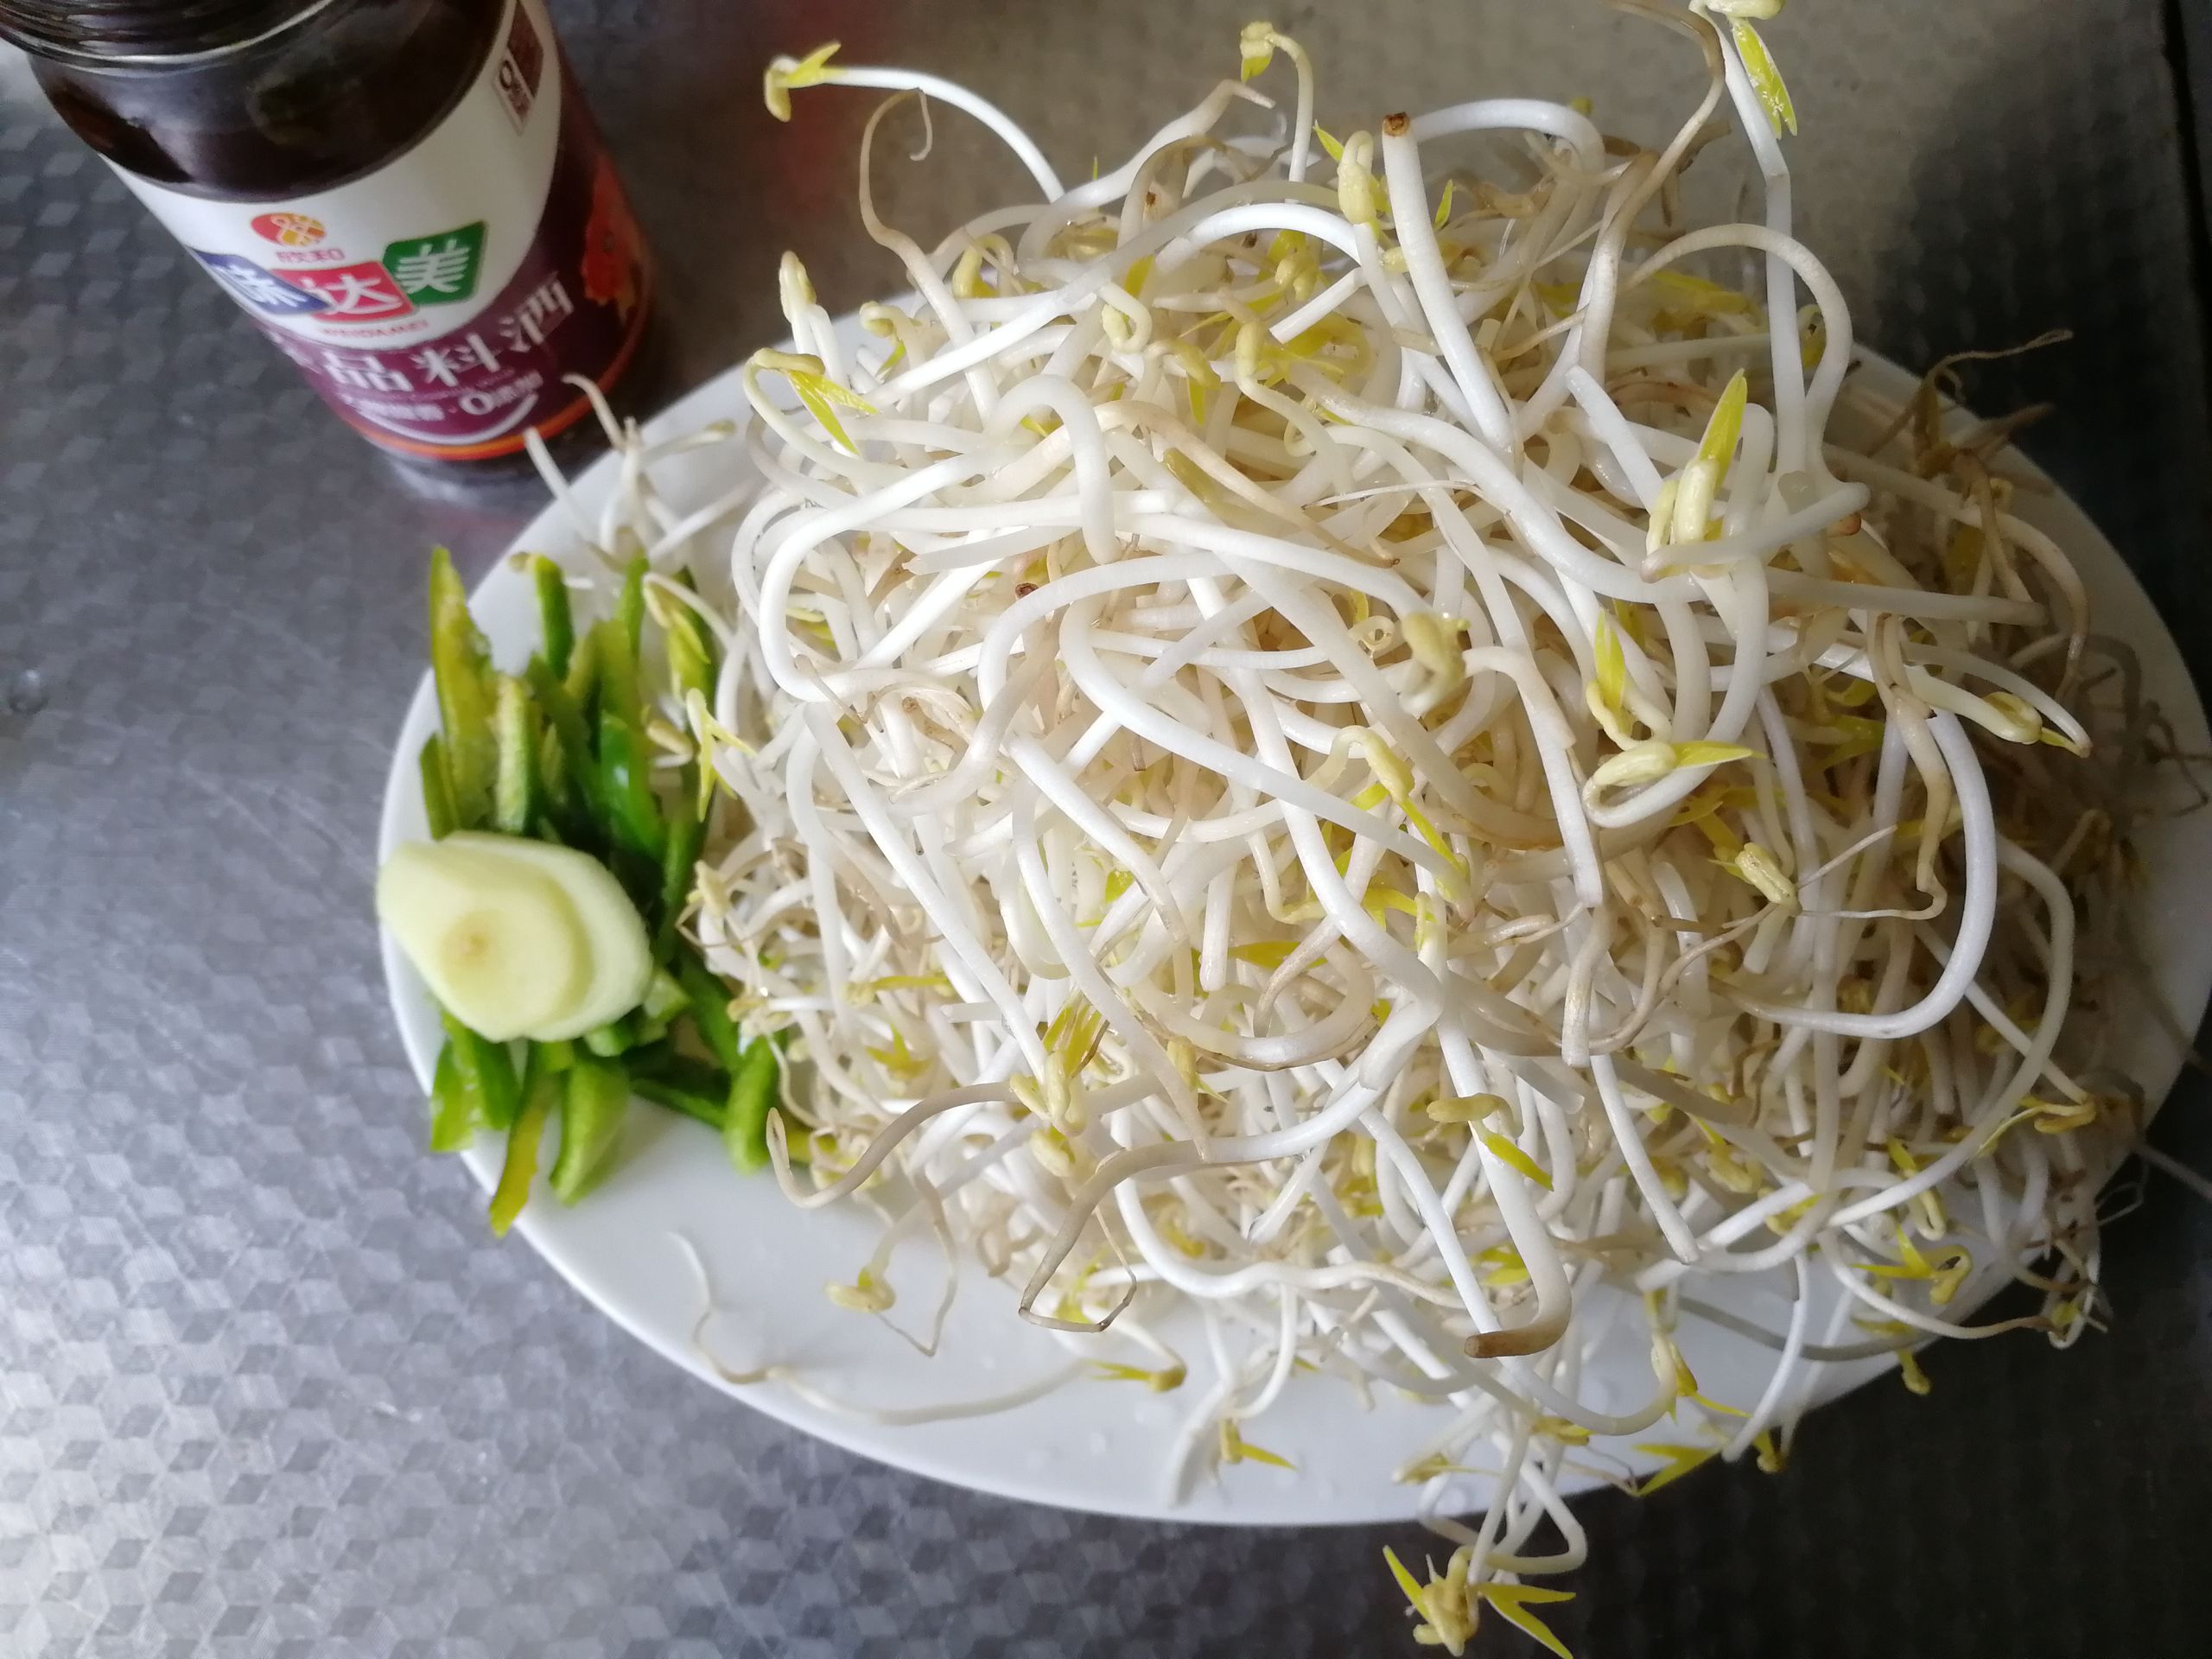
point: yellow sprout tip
(786, 73)
(1765, 78)
(1257, 46)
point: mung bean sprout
(1405, 770)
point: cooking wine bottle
(409, 197)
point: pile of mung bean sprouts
(1348, 752)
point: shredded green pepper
(752, 1096)
(542, 1093)
(582, 681)
(437, 790)
(687, 835)
(453, 1116)
(594, 1102)
(560, 807)
(555, 620)
(694, 1088)
(514, 795)
(665, 999)
(566, 767)
(616, 1037)
(615, 666)
(460, 664)
(488, 1074)
(632, 810)
(709, 1000)
(560, 752)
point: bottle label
(437, 302)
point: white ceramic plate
(1096, 1444)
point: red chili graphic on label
(611, 244)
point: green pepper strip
(460, 664)
(486, 1073)
(542, 1093)
(563, 715)
(560, 812)
(706, 1106)
(696, 1089)
(593, 1106)
(645, 1023)
(752, 1096)
(633, 818)
(692, 1087)
(686, 838)
(710, 1008)
(617, 1036)
(555, 620)
(572, 777)
(619, 784)
(453, 1116)
(437, 789)
(516, 795)
(582, 681)
(615, 666)
(664, 997)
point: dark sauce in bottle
(408, 196)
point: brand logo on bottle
(290, 230)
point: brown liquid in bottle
(241, 105)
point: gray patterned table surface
(266, 1388)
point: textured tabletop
(266, 1388)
